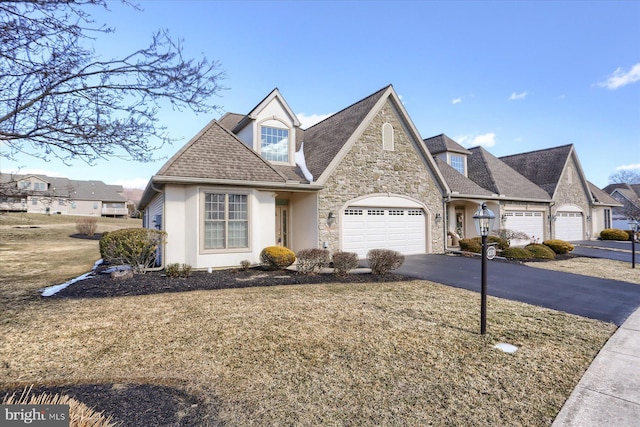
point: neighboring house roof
(600, 197)
(459, 183)
(442, 143)
(217, 154)
(543, 167)
(68, 188)
(323, 141)
(630, 192)
(494, 175)
(231, 120)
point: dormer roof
(442, 143)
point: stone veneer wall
(368, 169)
(574, 193)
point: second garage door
(569, 226)
(400, 229)
(530, 223)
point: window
(457, 162)
(226, 221)
(24, 185)
(34, 201)
(95, 205)
(387, 137)
(39, 186)
(274, 144)
(607, 218)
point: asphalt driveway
(616, 250)
(602, 299)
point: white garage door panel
(402, 230)
(530, 223)
(569, 226)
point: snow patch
(301, 162)
(51, 290)
(507, 348)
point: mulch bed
(101, 285)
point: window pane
(214, 207)
(237, 206)
(214, 234)
(457, 162)
(238, 234)
(274, 144)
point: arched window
(387, 137)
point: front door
(281, 225)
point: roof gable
(216, 154)
(543, 167)
(601, 197)
(442, 144)
(491, 173)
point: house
(543, 194)
(55, 195)
(628, 195)
(360, 179)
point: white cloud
(628, 167)
(516, 96)
(456, 101)
(621, 78)
(132, 183)
(311, 119)
(485, 140)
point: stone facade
(571, 191)
(368, 169)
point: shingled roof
(542, 167)
(323, 141)
(217, 154)
(442, 143)
(494, 175)
(601, 197)
(459, 183)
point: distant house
(628, 195)
(54, 195)
(361, 179)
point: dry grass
(368, 354)
(604, 268)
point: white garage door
(400, 229)
(530, 223)
(569, 226)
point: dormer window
(274, 144)
(456, 161)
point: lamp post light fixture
(484, 219)
(633, 225)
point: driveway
(619, 251)
(602, 299)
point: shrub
(470, 245)
(382, 261)
(87, 226)
(509, 235)
(136, 247)
(102, 245)
(558, 246)
(540, 251)
(245, 264)
(277, 257)
(613, 234)
(311, 261)
(175, 270)
(343, 262)
(517, 253)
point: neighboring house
(54, 195)
(543, 193)
(360, 179)
(628, 195)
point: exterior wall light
(331, 219)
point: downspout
(163, 252)
(445, 224)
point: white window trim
(291, 143)
(388, 137)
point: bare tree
(625, 176)
(60, 98)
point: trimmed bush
(102, 244)
(277, 257)
(540, 251)
(87, 226)
(343, 262)
(178, 270)
(136, 247)
(517, 253)
(614, 234)
(312, 261)
(470, 245)
(559, 246)
(382, 261)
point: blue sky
(511, 76)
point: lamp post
(633, 225)
(484, 219)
